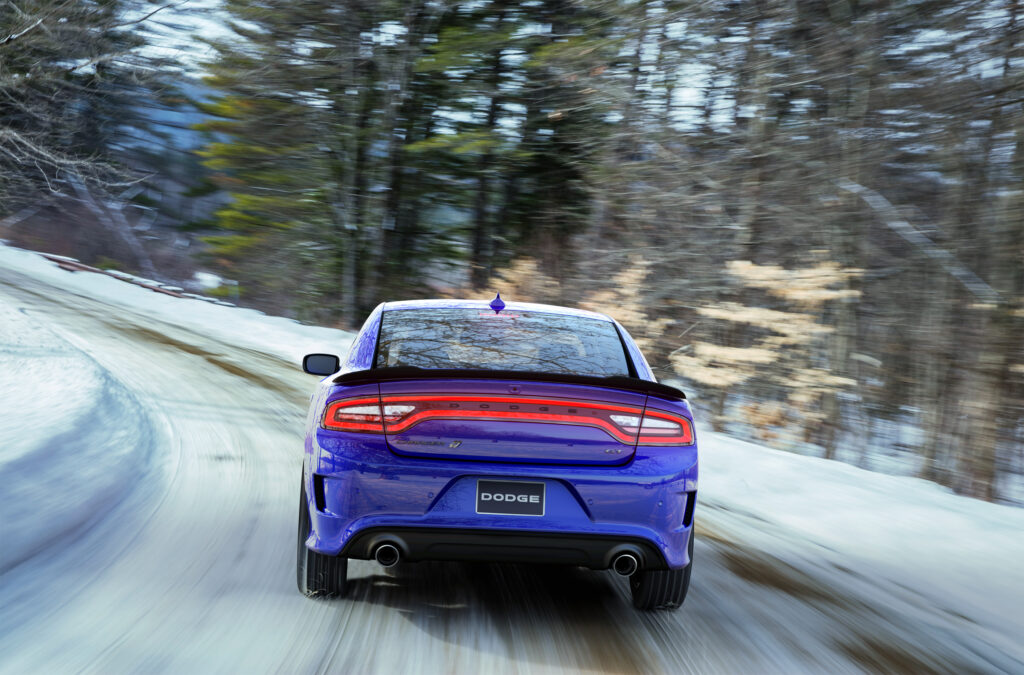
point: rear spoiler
(414, 373)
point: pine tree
(310, 95)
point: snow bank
(278, 336)
(961, 553)
(67, 446)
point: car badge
(454, 444)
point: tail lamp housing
(394, 414)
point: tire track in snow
(69, 457)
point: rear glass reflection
(480, 339)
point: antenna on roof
(497, 304)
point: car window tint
(479, 339)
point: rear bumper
(425, 543)
(358, 490)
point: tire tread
(661, 589)
(316, 574)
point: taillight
(662, 428)
(656, 428)
(362, 415)
(397, 414)
(355, 414)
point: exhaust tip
(387, 555)
(625, 564)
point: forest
(810, 213)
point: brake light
(355, 414)
(395, 414)
(656, 428)
(662, 428)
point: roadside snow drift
(250, 328)
(71, 438)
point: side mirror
(321, 364)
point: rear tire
(661, 589)
(317, 575)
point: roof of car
(484, 305)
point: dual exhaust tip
(625, 564)
(388, 555)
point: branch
(146, 17)
(28, 149)
(971, 281)
(38, 22)
(14, 36)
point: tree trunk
(480, 262)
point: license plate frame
(488, 488)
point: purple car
(476, 431)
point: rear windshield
(511, 340)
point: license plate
(508, 497)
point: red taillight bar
(387, 415)
(336, 419)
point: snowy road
(188, 565)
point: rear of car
(462, 430)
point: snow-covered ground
(52, 434)
(74, 436)
(960, 556)
(149, 450)
(281, 337)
